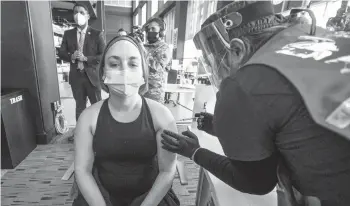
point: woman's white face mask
(124, 83)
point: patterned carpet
(37, 180)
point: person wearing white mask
(118, 155)
(83, 47)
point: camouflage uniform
(159, 55)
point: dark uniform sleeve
(242, 129)
(253, 177)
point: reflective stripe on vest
(319, 67)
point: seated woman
(119, 160)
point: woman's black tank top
(125, 153)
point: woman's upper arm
(84, 155)
(163, 119)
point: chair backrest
(172, 76)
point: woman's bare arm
(163, 119)
(84, 158)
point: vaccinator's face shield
(214, 43)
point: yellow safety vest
(319, 67)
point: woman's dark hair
(101, 67)
(121, 29)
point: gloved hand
(185, 144)
(205, 122)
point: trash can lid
(9, 91)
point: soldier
(159, 56)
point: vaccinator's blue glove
(185, 144)
(205, 122)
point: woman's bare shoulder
(97, 106)
(156, 107)
(90, 114)
(161, 115)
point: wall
(99, 23)
(28, 59)
(116, 18)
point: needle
(193, 118)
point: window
(136, 20)
(325, 10)
(144, 14)
(169, 19)
(212, 7)
(120, 3)
(154, 7)
(197, 12)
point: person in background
(137, 32)
(341, 22)
(83, 47)
(276, 121)
(122, 32)
(119, 160)
(159, 56)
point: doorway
(62, 20)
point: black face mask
(152, 37)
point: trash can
(18, 137)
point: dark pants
(83, 89)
